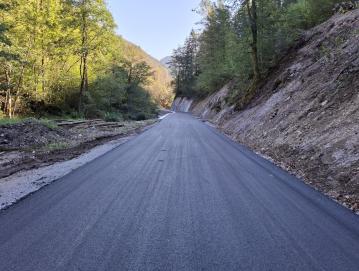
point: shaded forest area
(63, 57)
(241, 41)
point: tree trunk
(84, 56)
(84, 80)
(42, 52)
(10, 105)
(8, 92)
(10, 114)
(128, 88)
(43, 83)
(252, 15)
(42, 69)
(13, 102)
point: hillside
(166, 61)
(159, 85)
(77, 69)
(305, 115)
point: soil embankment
(33, 144)
(306, 113)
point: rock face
(306, 114)
(181, 104)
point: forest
(241, 41)
(64, 58)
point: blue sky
(158, 26)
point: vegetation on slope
(241, 41)
(63, 57)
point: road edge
(280, 165)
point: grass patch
(57, 146)
(48, 123)
(6, 121)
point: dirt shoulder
(32, 144)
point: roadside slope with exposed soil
(306, 114)
(32, 144)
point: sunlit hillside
(159, 85)
(65, 58)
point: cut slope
(306, 116)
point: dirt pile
(29, 133)
(306, 114)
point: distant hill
(160, 86)
(166, 61)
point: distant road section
(180, 196)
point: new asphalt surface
(180, 196)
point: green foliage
(234, 34)
(218, 45)
(113, 117)
(6, 121)
(185, 67)
(48, 123)
(3, 27)
(57, 146)
(64, 56)
(138, 106)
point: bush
(75, 115)
(113, 117)
(48, 123)
(140, 116)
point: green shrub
(6, 121)
(57, 146)
(48, 123)
(111, 116)
(75, 115)
(141, 116)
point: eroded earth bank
(305, 115)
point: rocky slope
(306, 114)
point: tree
(65, 56)
(251, 7)
(241, 40)
(217, 47)
(3, 28)
(252, 16)
(94, 22)
(6, 57)
(185, 67)
(137, 73)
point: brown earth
(306, 114)
(33, 144)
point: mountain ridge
(166, 61)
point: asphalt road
(180, 196)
